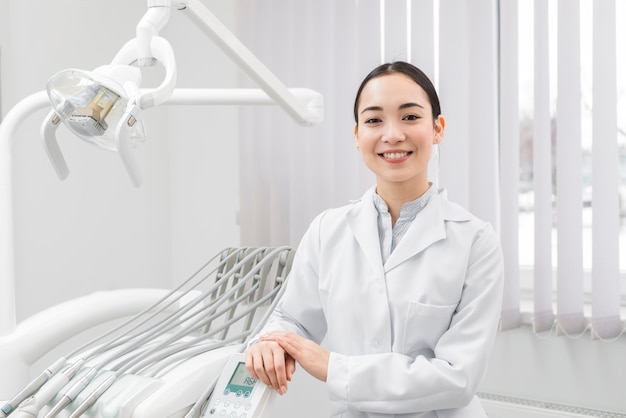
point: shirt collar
(409, 210)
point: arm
(299, 312)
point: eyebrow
(402, 106)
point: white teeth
(395, 155)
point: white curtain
(291, 173)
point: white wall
(557, 369)
(95, 231)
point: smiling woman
(402, 283)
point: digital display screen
(241, 382)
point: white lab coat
(408, 338)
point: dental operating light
(103, 106)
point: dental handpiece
(30, 407)
(93, 396)
(32, 387)
(71, 393)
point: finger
(280, 372)
(250, 365)
(290, 366)
(256, 358)
(268, 370)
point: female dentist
(403, 286)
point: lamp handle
(124, 144)
(51, 145)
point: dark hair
(410, 71)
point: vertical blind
(289, 173)
(606, 321)
(559, 290)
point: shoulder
(458, 217)
(452, 211)
(338, 215)
(334, 223)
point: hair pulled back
(410, 71)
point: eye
(411, 117)
(372, 120)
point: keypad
(228, 408)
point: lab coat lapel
(427, 228)
(362, 219)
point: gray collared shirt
(390, 236)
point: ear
(440, 125)
(356, 136)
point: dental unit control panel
(237, 394)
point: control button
(226, 403)
(248, 406)
(233, 414)
(226, 391)
(212, 411)
(244, 415)
(239, 392)
(223, 413)
(246, 394)
(237, 404)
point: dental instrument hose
(99, 391)
(133, 347)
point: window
(526, 74)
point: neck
(397, 194)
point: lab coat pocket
(424, 325)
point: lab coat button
(375, 342)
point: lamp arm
(155, 19)
(9, 125)
(163, 52)
(250, 64)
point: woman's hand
(268, 362)
(311, 356)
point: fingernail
(282, 390)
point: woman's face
(395, 131)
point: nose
(393, 133)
